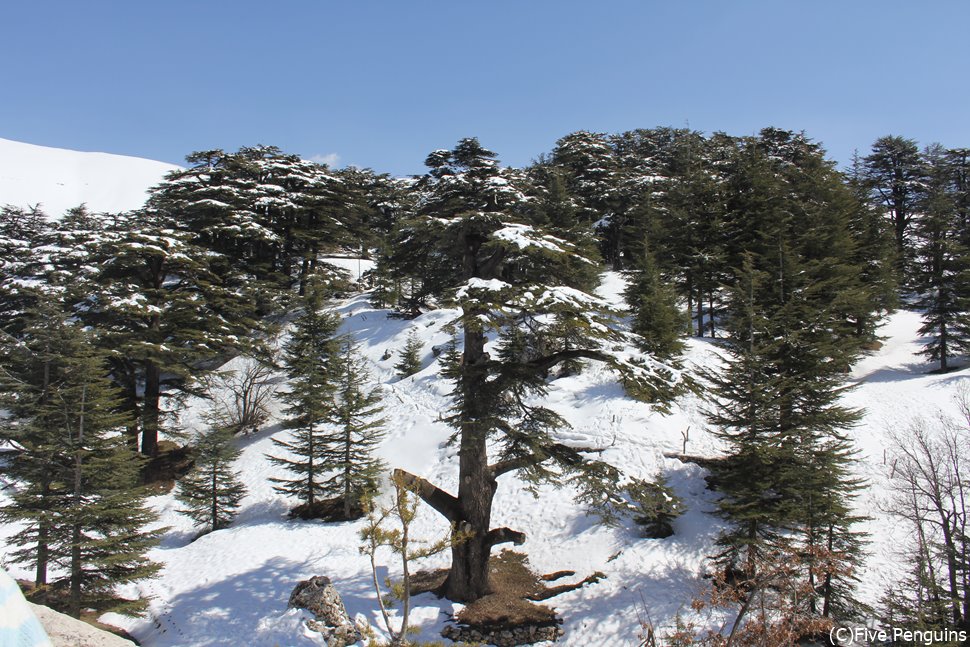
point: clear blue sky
(381, 84)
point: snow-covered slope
(231, 587)
(59, 179)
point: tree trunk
(700, 313)
(215, 500)
(311, 471)
(74, 603)
(689, 288)
(710, 311)
(347, 440)
(468, 579)
(43, 550)
(151, 409)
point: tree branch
(562, 453)
(512, 464)
(553, 591)
(444, 503)
(546, 362)
(490, 266)
(504, 536)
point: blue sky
(381, 84)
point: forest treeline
(109, 321)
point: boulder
(65, 631)
(318, 596)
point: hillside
(231, 586)
(58, 179)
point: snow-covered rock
(65, 631)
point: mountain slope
(59, 179)
(231, 586)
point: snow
(524, 236)
(59, 179)
(231, 587)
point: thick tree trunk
(468, 579)
(151, 409)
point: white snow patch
(59, 179)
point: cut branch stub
(444, 503)
(505, 535)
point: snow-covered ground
(231, 587)
(59, 179)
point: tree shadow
(898, 373)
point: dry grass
(512, 583)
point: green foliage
(655, 506)
(389, 527)
(358, 430)
(333, 416)
(212, 491)
(895, 176)
(941, 268)
(656, 318)
(410, 362)
(310, 359)
(78, 494)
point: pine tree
(875, 256)
(164, 307)
(656, 318)
(212, 491)
(592, 177)
(267, 213)
(80, 500)
(24, 233)
(504, 273)
(410, 362)
(357, 431)
(786, 477)
(309, 358)
(941, 270)
(896, 176)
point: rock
(504, 636)
(318, 596)
(65, 631)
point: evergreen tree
(786, 476)
(875, 255)
(309, 358)
(164, 307)
(475, 217)
(941, 270)
(357, 430)
(896, 176)
(267, 213)
(656, 318)
(24, 233)
(410, 362)
(592, 177)
(80, 498)
(212, 491)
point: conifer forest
(657, 388)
